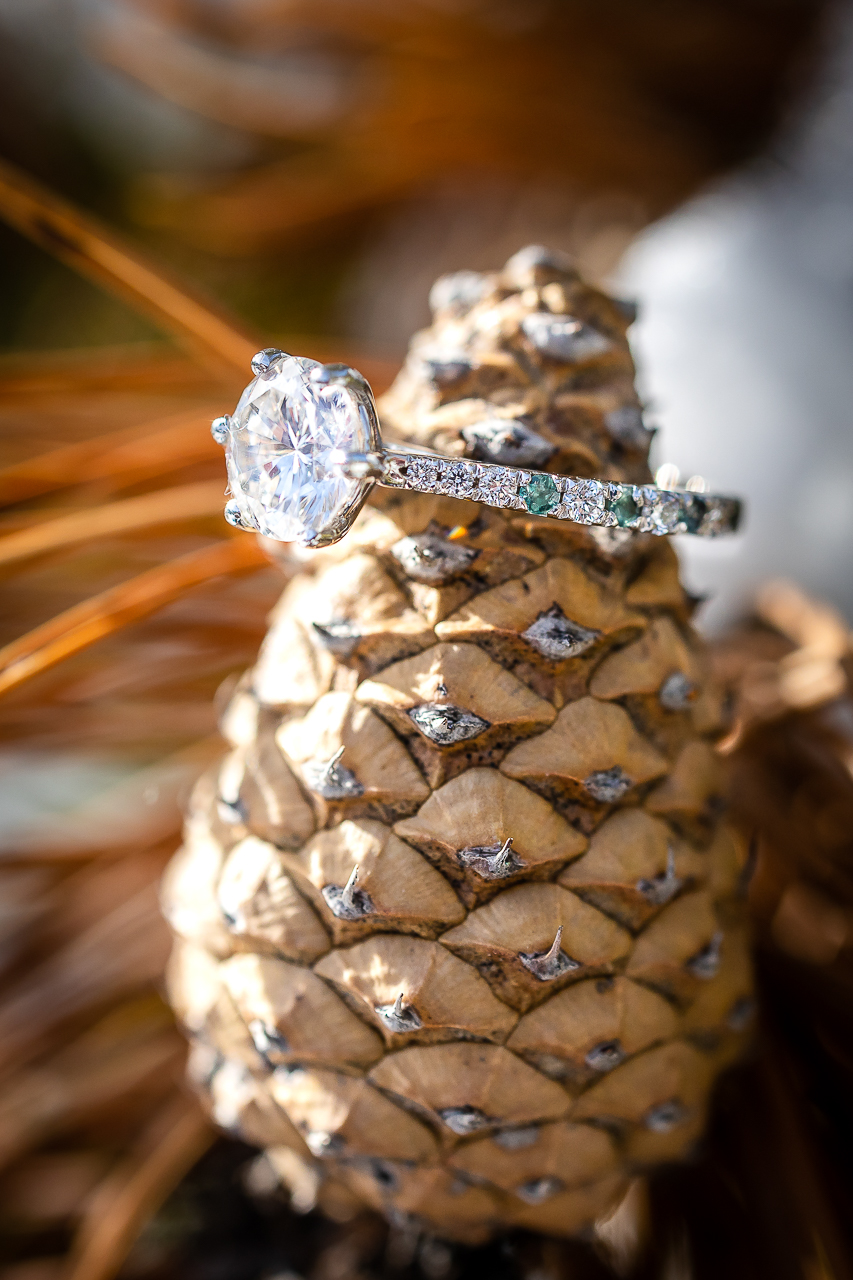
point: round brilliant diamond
(280, 450)
(585, 501)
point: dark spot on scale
(384, 1175)
(525, 586)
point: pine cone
(459, 930)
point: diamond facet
(284, 437)
(422, 472)
(460, 479)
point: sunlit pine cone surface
(459, 931)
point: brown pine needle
(137, 453)
(82, 243)
(151, 449)
(183, 502)
(136, 1041)
(103, 614)
(178, 1135)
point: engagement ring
(303, 449)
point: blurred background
(313, 165)
(317, 165)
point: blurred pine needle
(128, 601)
(85, 245)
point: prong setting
(339, 373)
(360, 466)
(219, 428)
(236, 517)
(262, 360)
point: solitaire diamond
(285, 439)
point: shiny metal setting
(644, 508)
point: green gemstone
(693, 509)
(540, 495)
(624, 508)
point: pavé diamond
(499, 486)
(646, 497)
(585, 501)
(717, 514)
(437, 477)
(461, 479)
(693, 508)
(282, 441)
(422, 472)
(666, 513)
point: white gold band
(643, 508)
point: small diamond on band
(585, 501)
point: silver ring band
(644, 508)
